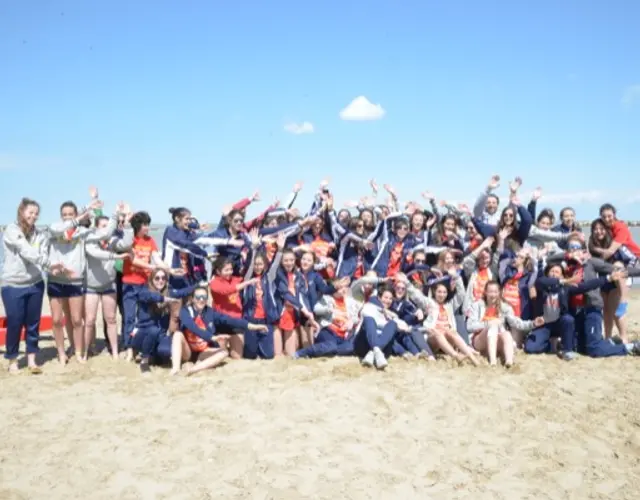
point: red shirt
(395, 259)
(621, 234)
(196, 344)
(340, 318)
(576, 301)
(226, 299)
(143, 247)
(259, 312)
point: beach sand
(324, 429)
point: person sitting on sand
(154, 315)
(488, 320)
(198, 339)
(441, 322)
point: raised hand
(515, 184)
(427, 195)
(537, 193)
(297, 187)
(374, 186)
(281, 241)
(93, 193)
(255, 196)
(254, 236)
(389, 189)
(494, 182)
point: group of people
(372, 280)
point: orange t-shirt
(442, 323)
(196, 344)
(259, 312)
(395, 259)
(143, 248)
(226, 299)
(511, 294)
(490, 313)
(481, 282)
(339, 318)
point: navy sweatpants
(130, 310)
(23, 306)
(327, 343)
(371, 336)
(258, 344)
(538, 340)
(590, 338)
(146, 341)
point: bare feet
(13, 367)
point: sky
(199, 103)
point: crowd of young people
(371, 280)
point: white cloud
(592, 196)
(300, 128)
(631, 95)
(361, 109)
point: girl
(487, 323)
(338, 317)
(153, 315)
(238, 243)
(378, 330)
(479, 268)
(258, 303)
(199, 340)
(555, 294)
(441, 321)
(66, 294)
(179, 249)
(24, 260)
(413, 343)
(100, 285)
(225, 290)
(291, 296)
(135, 274)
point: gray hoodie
(480, 212)
(101, 270)
(70, 250)
(24, 259)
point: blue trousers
(257, 344)
(371, 336)
(146, 341)
(590, 339)
(327, 343)
(130, 311)
(23, 306)
(538, 340)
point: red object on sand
(46, 324)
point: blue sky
(166, 103)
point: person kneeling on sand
(338, 316)
(198, 340)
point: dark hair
(565, 209)
(494, 196)
(345, 211)
(607, 206)
(159, 308)
(486, 285)
(69, 204)
(232, 214)
(547, 212)
(178, 213)
(385, 288)
(401, 222)
(220, 263)
(550, 267)
(138, 220)
(24, 203)
(100, 218)
(608, 238)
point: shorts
(64, 291)
(288, 320)
(107, 291)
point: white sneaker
(368, 360)
(379, 359)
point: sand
(324, 429)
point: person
(198, 339)
(488, 322)
(100, 285)
(66, 290)
(25, 259)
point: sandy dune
(324, 429)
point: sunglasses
(160, 278)
(238, 221)
(403, 228)
(420, 261)
(574, 246)
(200, 297)
(508, 216)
